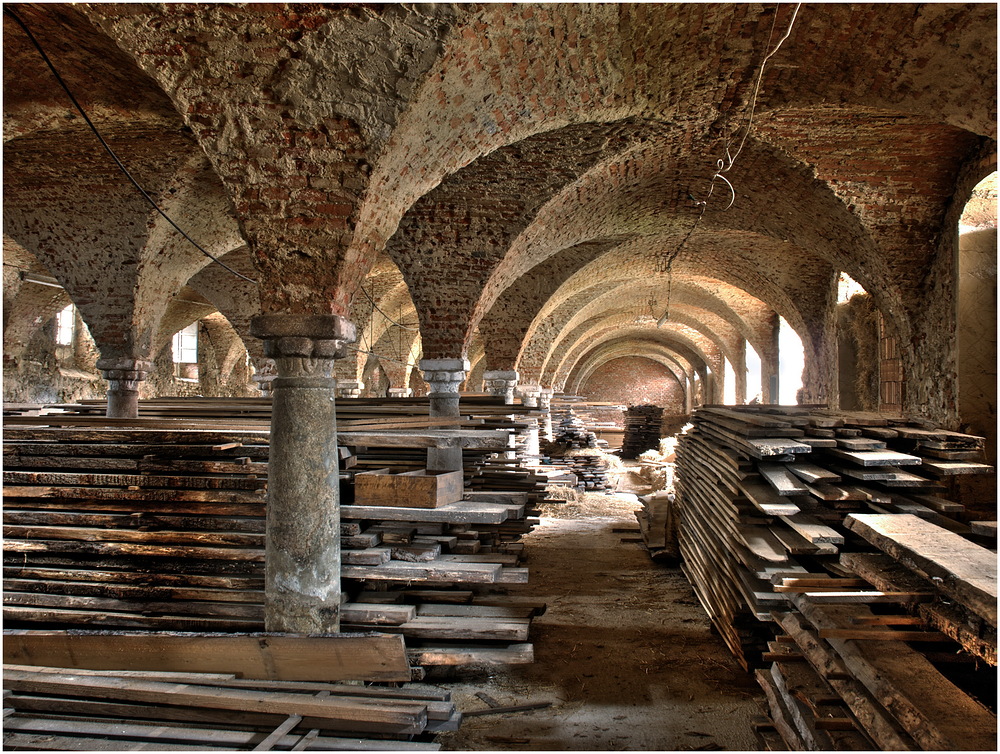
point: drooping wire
(726, 163)
(375, 307)
(111, 152)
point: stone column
(501, 383)
(769, 365)
(444, 377)
(399, 392)
(529, 395)
(545, 403)
(123, 376)
(264, 374)
(302, 544)
(349, 388)
(740, 371)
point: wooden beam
(365, 657)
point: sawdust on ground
(624, 653)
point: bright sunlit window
(753, 373)
(848, 287)
(65, 324)
(186, 345)
(729, 383)
(791, 362)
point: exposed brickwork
(636, 382)
(510, 177)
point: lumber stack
(642, 430)
(571, 432)
(824, 549)
(62, 709)
(142, 528)
(163, 530)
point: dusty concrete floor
(624, 652)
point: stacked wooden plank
(571, 432)
(642, 430)
(143, 528)
(170, 536)
(776, 536)
(64, 709)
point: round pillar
(302, 543)
(444, 376)
(123, 376)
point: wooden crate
(411, 489)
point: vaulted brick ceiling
(503, 173)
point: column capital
(349, 388)
(444, 375)
(125, 370)
(319, 336)
(529, 394)
(501, 383)
(501, 374)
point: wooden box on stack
(413, 489)
(825, 550)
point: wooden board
(949, 618)
(875, 457)
(961, 569)
(935, 712)
(811, 473)
(369, 657)
(361, 715)
(514, 654)
(877, 723)
(460, 512)
(813, 531)
(766, 500)
(950, 468)
(780, 477)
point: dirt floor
(624, 653)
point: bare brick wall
(633, 381)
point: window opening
(791, 362)
(753, 374)
(847, 288)
(186, 345)
(729, 383)
(65, 326)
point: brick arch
(583, 378)
(236, 299)
(30, 309)
(639, 59)
(608, 307)
(646, 194)
(392, 296)
(666, 344)
(699, 308)
(103, 78)
(65, 200)
(694, 346)
(450, 242)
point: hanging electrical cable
(375, 307)
(665, 262)
(110, 151)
